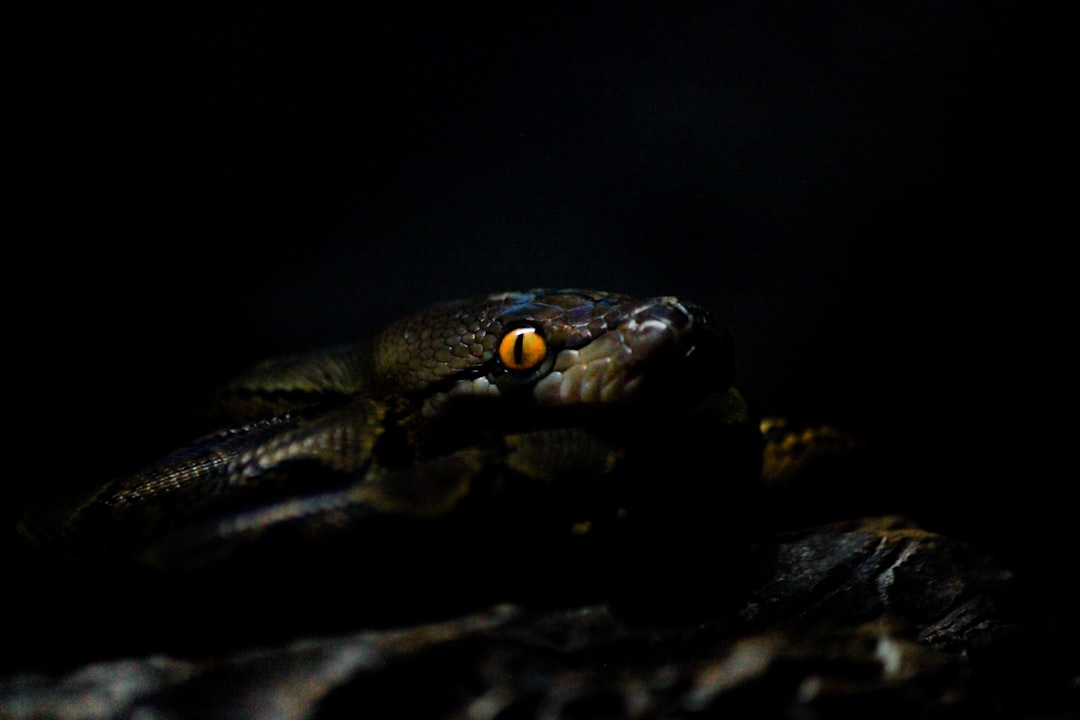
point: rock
(868, 618)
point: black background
(868, 194)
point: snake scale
(498, 439)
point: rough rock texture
(863, 616)
(868, 618)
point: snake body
(513, 426)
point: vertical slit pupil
(519, 348)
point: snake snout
(685, 349)
(662, 346)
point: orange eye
(522, 349)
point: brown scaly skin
(620, 433)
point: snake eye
(522, 348)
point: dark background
(865, 193)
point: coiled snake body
(524, 431)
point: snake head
(552, 349)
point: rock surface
(826, 613)
(867, 618)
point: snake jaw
(474, 387)
(598, 373)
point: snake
(526, 429)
